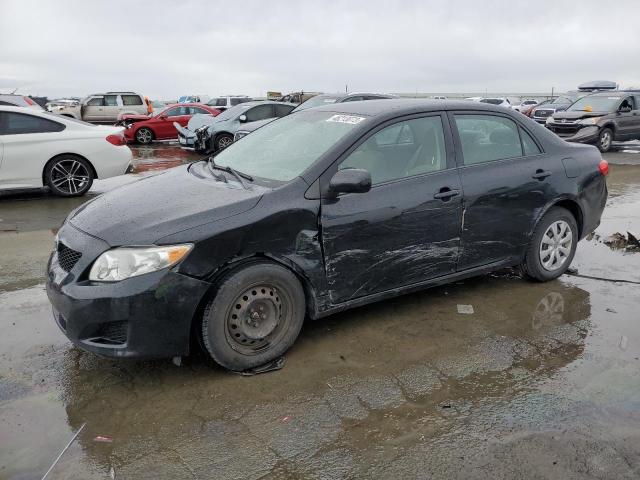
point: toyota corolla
(315, 213)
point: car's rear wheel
(223, 141)
(605, 139)
(144, 136)
(552, 246)
(255, 316)
(69, 176)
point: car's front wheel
(68, 176)
(605, 139)
(144, 136)
(254, 317)
(552, 246)
(223, 141)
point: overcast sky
(164, 49)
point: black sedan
(314, 213)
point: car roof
(402, 106)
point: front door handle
(446, 193)
(541, 174)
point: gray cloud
(164, 48)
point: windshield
(316, 102)
(562, 101)
(595, 104)
(283, 149)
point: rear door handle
(446, 193)
(541, 174)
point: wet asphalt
(541, 381)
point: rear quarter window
(131, 100)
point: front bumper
(584, 134)
(148, 316)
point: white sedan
(40, 149)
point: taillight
(116, 139)
(29, 101)
(603, 166)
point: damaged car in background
(206, 134)
(599, 119)
(318, 212)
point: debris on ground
(177, 361)
(620, 241)
(465, 309)
(276, 364)
(103, 439)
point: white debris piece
(465, 309)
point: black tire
(144, 136)
(254, 317)
(68, 176)
(605, 139)
(222, 141)
(538, 262)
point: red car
(144, 129)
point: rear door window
(260, 112)
(19, 123)
(111, 100)
(485, 138)
(283, 110)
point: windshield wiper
(211, 165)
(239, 175)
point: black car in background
(599, 119)
(330, 98)
(558, 104)
(318, 212)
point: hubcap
(224, 142)
(555, 246)
(605, 140)
(144, 135)
(254, 318)
(70, 176)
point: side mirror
(350, 180)
(242, 118)
(624, 109)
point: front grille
(543, 113)
(564, 130)
(113, 333)
(67, 257)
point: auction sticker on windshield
(351, 119)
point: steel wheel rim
(257, 319)
(70, 176)
(555, 246)
(605, 140)
(143, 135)
(224, 142)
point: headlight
(125, 262)
(589, 121)
(549, 120)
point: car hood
(576, 115)
(143, 212)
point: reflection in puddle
(160, 157)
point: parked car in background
(313, 214)
(525, 105)
(228, 101)
(144, 129)
(599, 119)
(540, 113)
(474, 99)
(208, 134)
(500, 101)
(11, 100)
(39, 149)
(105, 107)
(194, 99)
(298, 97)
(61, 102)
(329, 98)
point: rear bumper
(148, 316)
